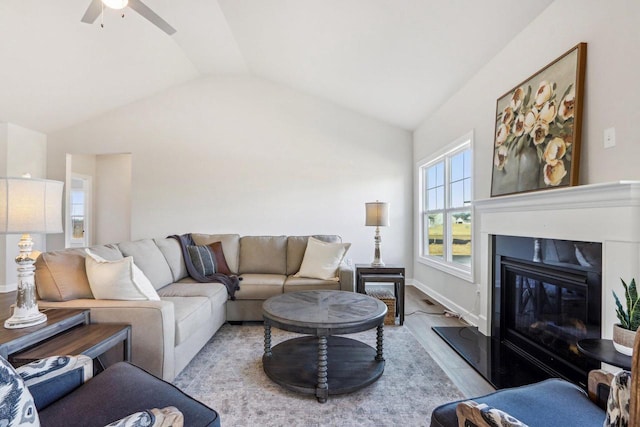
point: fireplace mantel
(608, 213)
(621, 193)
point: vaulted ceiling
(394, 60)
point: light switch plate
(609, 137)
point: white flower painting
(537, 137)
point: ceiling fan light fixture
(116, 4)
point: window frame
(459, 145)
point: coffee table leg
(379, 344)
(322, 390)
(267, 338)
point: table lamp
(28, 206)
(377, 216)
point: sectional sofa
(168, 333)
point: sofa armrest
(599, 386)
(345, 273)
(51, 378)
(152, 329)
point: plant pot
(623, 339)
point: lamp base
(377, 261)
(17, 322)
(25, 312)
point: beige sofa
(167, 334)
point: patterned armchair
(610, 401)
(60, 391)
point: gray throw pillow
(203, 259)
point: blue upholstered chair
(552, 402)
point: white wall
(22, 151)
(243, 155)
(112, 198)
(610, 30)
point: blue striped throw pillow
(202, 259)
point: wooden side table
(58, 320)
(66, 332)
(91, 340)
(385, 274)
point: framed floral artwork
(538, 128)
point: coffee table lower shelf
(351, 365)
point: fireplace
(547, 296)
(606, 214)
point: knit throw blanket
(232, 282)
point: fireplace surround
(607, 216)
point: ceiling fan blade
(150, 15)
(93, 11)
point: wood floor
(420, 322)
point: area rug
(227, 375)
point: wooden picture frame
(539, 128)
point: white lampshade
(377, 214)
(116, 4)
(30, 205)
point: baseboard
(8, 288)
(468, 317)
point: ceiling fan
(96, 7)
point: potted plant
(624, 333)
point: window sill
(448, 268)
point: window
(78, 211)
(446, 209)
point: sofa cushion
(109, 252)
(150, 259)
(190, 314)
(61, 276)
(230, 247)
(294, 284)
(216, 292)
(263, 254)
(260, 286)
(297, 245)
(321, 259)
(172, 252)
(119, 280)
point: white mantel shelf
(608, 213)
(620, 193)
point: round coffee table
(322, 363)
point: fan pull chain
(102, 15)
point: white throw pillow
(120, 280)
(321, 259)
